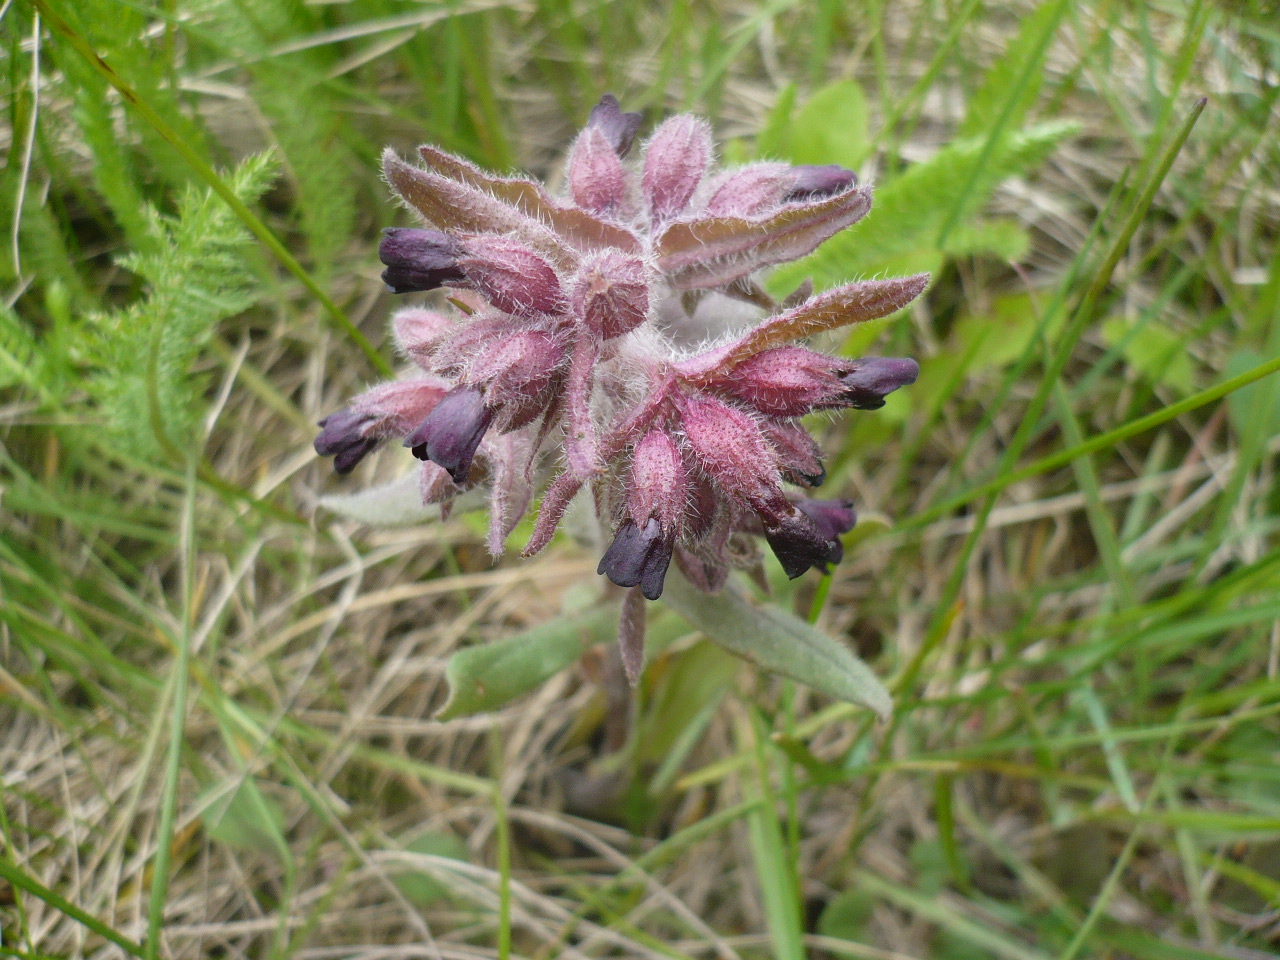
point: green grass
(216, 702)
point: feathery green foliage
(140, 358)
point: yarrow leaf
(197, 276)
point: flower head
(601, 339)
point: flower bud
(611, 294)
(452, 431)
(797, 453)
(731, 450)
(387, 410)
(791, 381)
(618, 128)
(785, 381)
(750, 191)
(597, 181)
(517, 374)
(419, 332)
(657, 496)
(511, 276)
(418, 259)
(658, 485)
(812, 182)
(678, 154)
(869, 380)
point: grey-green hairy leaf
(489, 676)
(779, 641)
(395, 504)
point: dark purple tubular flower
(452, 431)
(832, 518)
(418, 259)
(813, 182)
(799, 544)
(872, 379)
(342, 437)
(638, 555)
(619, 128)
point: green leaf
(487, 677)
(1257, 400)
(775, 138)
(830, 128)
(421, 888)
(20, 356)
(996, 339)
(778, 641)
(197, 275)
(846, 917)
(1001, 238)
(246, 819)
(1157, 354)
(694, 679)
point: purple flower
(870, 380)
(832, 517)
(452, 431)
(418, 259)
(638, 556)
(343, 438)
(811, 182)
(799, 544)
(658, 495)
(619, 129)
(387, 410)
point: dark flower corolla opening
(342, 437)
(874, 378)
(799, 545)
(452, 431)
(813, 181)
(418, 260)
(638, 556)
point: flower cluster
(616, 335)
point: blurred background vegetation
(216, 703)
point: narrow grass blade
(21, 881)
